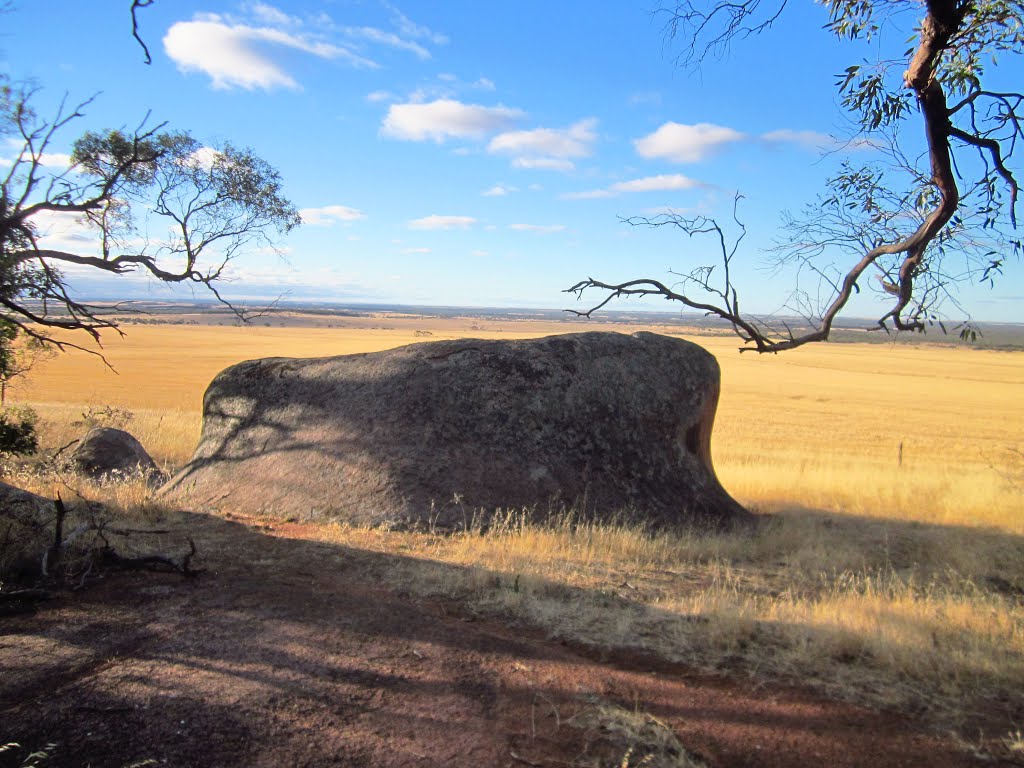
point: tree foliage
(920, 223)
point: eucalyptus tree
(911, 226)
(148, 201)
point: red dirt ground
(290, 652)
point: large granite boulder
(440, 431)
(107, 453)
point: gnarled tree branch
(951, 33)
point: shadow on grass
(292, 652)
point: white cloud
(498, 190)
(379, 96)
(446, 118)
(483, 84)
(204, 158)
(442, 222)
(543, 229)
(661, 183)
(548, 148)
(56, 160)
(415, 250)
(239, 55)
(329, 215)
(479, 253)
(686, 143)
(65, 232)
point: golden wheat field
(890, 568)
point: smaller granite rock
(23, 506)
(106, 452)
(29, 516)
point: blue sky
(468, 153)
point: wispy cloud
(661, 183)
(548, 148)
(806, 139)
(588, 194)
(390, 39)
(645, 97)
(544, 163)
(275, 17)
(686, 143)
(446, 118)
(815, 141)
(329, 215)
(542, 229)
(442, 222)
(409, 28)
(498, 190)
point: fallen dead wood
(22, 600)
(161, 563)
(21, 595)
(79, 540)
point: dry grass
(890, 577)
(845, 604)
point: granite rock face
(433, 433)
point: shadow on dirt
(292, 652)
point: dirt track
(289, 652)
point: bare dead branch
(710, 31)
(136, 5)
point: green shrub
(18, 431)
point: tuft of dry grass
(631, 739)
